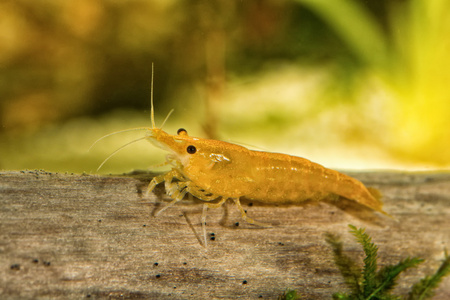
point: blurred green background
(350, 84)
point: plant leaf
(347, 266)
(370, 262)
(340, 296)
(289, 295)
(386, 278)
(424, 289)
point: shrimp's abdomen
(281, 178)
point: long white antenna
(116, 132)
(168, 115)
(118, 149)
(152, 112)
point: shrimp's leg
(155, 181)
(177, 196)
(205, 208)
(168, 177)
(216, 205)
(245, 217)
(174, 188)
(160, 178)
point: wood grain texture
(65, 236)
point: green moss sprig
(368, 283)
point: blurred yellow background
(348, 84)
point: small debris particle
(158, 275)
(236, 224)
(280, 243)
(250, 204)
(46, 263)
(185, 263)
(244, 282)
(144, 225)
(15, 267)
(99, 220)
(212, 234)
(213, 238)
(35, 260)
(88, 296)
(155, 264)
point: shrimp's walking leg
(160, 178)
(168, 177)
(176, 190)
(205, 208)
(216, 205)
(245, 217)
(155, 181)
(177, 196)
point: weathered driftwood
(78, 236)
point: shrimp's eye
(191, 149)
(182, 131)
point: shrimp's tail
(377, 195)
(354, 189)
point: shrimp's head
(191, 155)
(176, 145)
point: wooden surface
(65, 236)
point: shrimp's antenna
(152, 112)
(120, 148)
(116, 132)
(152, 109)
(168, 115)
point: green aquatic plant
(368, 283)
(424, 289)
(289, 295)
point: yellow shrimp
(216, 170)
(211, 169)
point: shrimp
(212, 170)
(215, 171)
